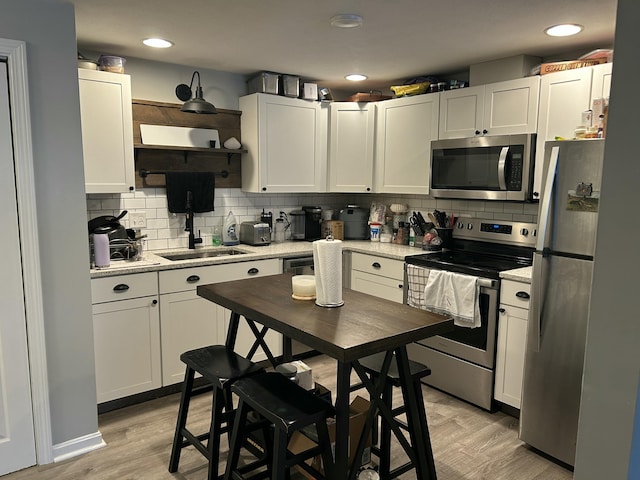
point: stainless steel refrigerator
(560, 297)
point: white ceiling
(399, 39)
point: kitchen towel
(416, 282)
(453, 294)
(327, 263)
(200, 184)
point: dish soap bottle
(229, 234)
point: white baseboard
(78, 446)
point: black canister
(267, 217)
(312, 222)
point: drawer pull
(253, 271)
(522, 294)
(376, 265)
(121, 287)
(193, 278)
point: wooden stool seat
(219, 367)
(373, 365)
(287, 408)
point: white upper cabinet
(563, 98)
(351, 134)
(286, 139)
(107, 131)
(461, 112)
(405, 128)
(502, 108)
(601, 82)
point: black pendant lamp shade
(197, 104)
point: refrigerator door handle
(502, 166)
(545, 206)
(537, 300)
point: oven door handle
(502, 168)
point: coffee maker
(312, 222)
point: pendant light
(191, 104)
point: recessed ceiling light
(157, 43)
(563, 30)
(356, 77)
(346, 20)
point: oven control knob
(460, 225)
(524, 232)
(470, 226)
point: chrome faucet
(189, 223)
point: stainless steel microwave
(483, 168)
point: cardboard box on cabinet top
(357, 415)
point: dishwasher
(299, 266)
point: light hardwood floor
(468, 443)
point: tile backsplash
(166, 230)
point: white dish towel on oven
(453, 294)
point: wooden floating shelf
(214, 151)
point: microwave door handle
(545, 202)
(502, 167)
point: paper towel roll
(327, 263)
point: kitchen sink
(222, 252)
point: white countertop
(519, 274)
(153, 261)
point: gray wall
(48, 29)
(612, 361)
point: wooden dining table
(363, 326)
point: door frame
(15, 54)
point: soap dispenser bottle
(229, 231)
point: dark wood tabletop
(364, 325)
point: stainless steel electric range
(463, 362)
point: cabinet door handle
(121, 287)
(154, 302)
(193, 278)
(253, 271)
(522, 294)
(400, 285)
(376, 265)
(501, 310)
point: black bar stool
(219, 367)
(372, 365)
(286, 408)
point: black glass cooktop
(488, 264)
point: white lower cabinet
(189, 321)
(378, 276)
(512, 337)
(126, 332)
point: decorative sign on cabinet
(107, 131)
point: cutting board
(178, 136)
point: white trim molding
(78, 446)
(15, 53)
